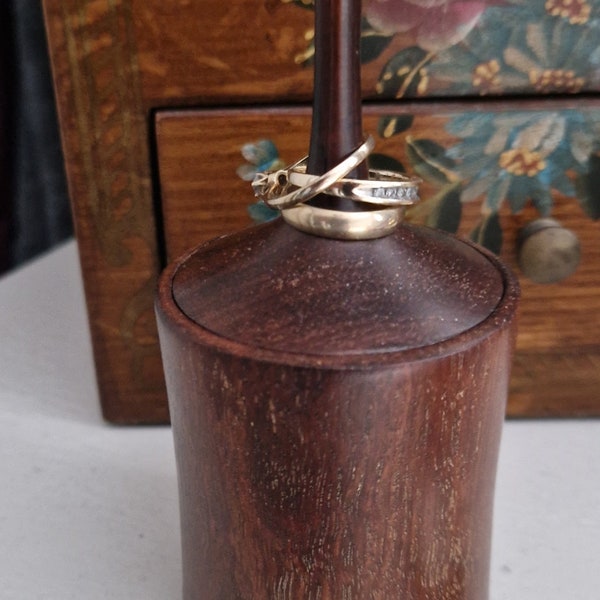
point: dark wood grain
(336, 298)
(336, 406)
(336, 128)
(311, 463)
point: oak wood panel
(220, 52)
(558, 351)
(104, 128)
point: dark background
(34, 207)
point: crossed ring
(384, 188)
(273, 188)
(385, 195)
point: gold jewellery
(384, 195)
(273, 188)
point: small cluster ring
(385, 195)
(273, 188)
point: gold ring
(385, 188)
(341, 225)
(273, 188)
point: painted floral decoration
(512, 157)
(454, 48)
(540, 46)
(430, 24)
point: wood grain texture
(113, 62)
(415, 288)
(333, 475)
(214, 52)
(105, 139)
(556, 367)
(336, 127)
(116, 61)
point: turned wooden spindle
(336, 405)
(337, 118)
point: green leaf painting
(446, 209)
(588, 188)
(489, 233)
(402, 75)
(394, 124)
(383, 162)
(430, 160)
(372, 43)
(480, 47)
(514, 158)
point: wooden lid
(274, 288)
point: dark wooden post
(337, 118)
(336, 405)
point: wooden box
(494, 107)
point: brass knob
(547, 252)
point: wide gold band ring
(342, 225)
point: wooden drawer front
(557, 368)
(217, 51)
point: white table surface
(88, 511)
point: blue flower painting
(506, 158)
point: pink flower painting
(432, 25)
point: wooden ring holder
(336, 405)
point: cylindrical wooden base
(372, 479)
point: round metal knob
(547, 252)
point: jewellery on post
(384, 196)
(342, 225)
(273, 188)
